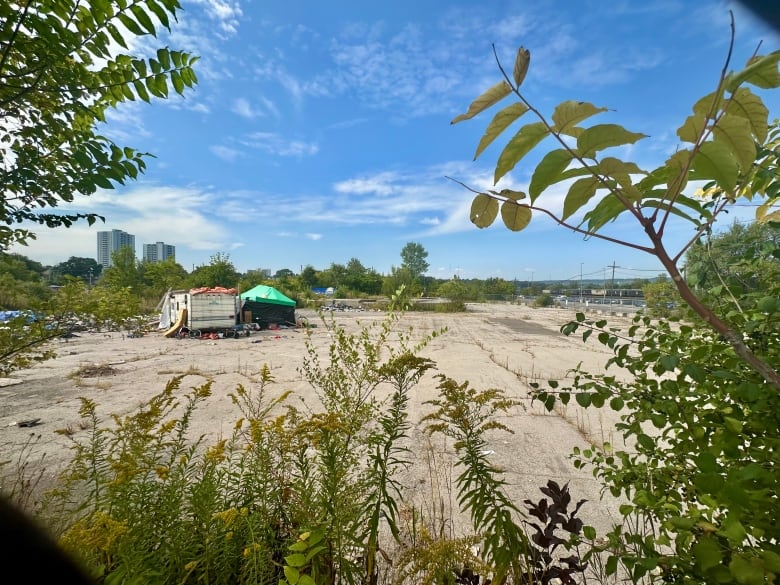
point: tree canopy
(63, 64)
(413, 259)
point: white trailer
(208, 309)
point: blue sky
(320, 131)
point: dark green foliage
(702, 430)
(63, 65)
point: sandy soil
(492, 346)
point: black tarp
(264, 314)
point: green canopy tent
(266, 306)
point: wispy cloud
(225, 152)
(278, 145)
(242, 107)
(245, 109)
(225, 13)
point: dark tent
(266, 306)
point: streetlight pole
(581, 263)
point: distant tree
(283, 273)
(454, 290)
(63, 65)
(742, 258)
(498, 286)
(309, 276)
(399, 277)
(160, 276)
(220, 271)
(334, 275)
(544, 300)
(662, 299)
(413, 259)
(124, 272)
(77, 267)
(20, 267)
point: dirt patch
(95, 371)
(525, 327)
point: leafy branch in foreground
(62, 67)
(697, 469)
(727, 144)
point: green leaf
(160, 12)
(583, 399)
(579, 194)
(748, 105)
(747, 570)
(669, 362)
(499, 123)
(306, 580)
(295, 560)
(521, 144)
(707, 553)
(733, 424)
(714, 161)
(140, 89)
(676, 169)
(292, 575)
(611, 566)
(645, 441)
(161, 83)
(708, 105)
(143, 18)
(601, 136)
(733, 530)
(515, 216)
(693, 128)
(771, 560)
(570, 113)
(606, 210)
(614, 167)
(735, 133)
(548, 171)
(761, 71)
(492, 96)
(178, 84)
(484, 210)
(130, 24)
(164, 57)
(616, 403)
(522, 61)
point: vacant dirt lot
(491, 346)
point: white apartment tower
(110, 242)
(158, 251)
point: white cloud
(275, 144)
(242, 107)
(225, 152)
(314, 237)
(180, 216)
(380, 184)
(227, 14)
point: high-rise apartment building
(158, 251)
(110, 242)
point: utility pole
(613, 274)
(581, 263)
